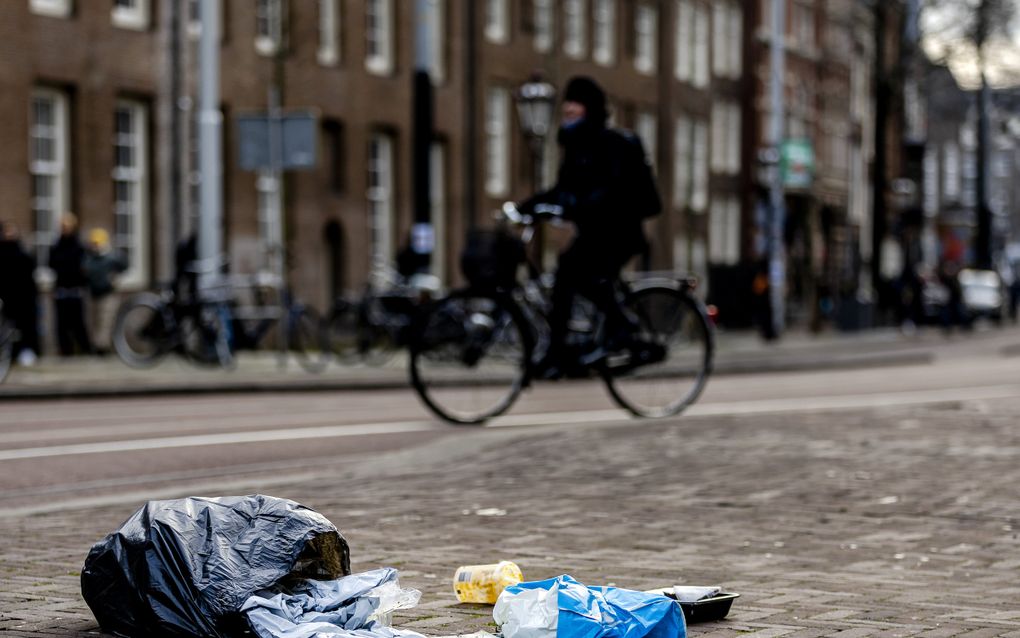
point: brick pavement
(894, 523)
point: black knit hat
(586, 91)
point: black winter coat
(67, 258)
(597, 187)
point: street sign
(798, 163)
(286, 142)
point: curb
(722, 366)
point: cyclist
(605, 187)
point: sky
(1003, 54)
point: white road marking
(226, 438)
(735, 408)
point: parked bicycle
(475, 351)
(380, 323)
(251, 324)
(151, 325)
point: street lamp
(535, 100)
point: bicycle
(150, 325)
(371, 329)
(475, 351)
(303, 327)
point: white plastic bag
(532, 613)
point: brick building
(98, 98)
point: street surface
(881, 501)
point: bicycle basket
(491, 258)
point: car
(984, 294)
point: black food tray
(704, 610)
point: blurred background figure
(19, 293)
(102, 265)
(67, 260)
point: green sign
(797, 163)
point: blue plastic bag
(526, 611)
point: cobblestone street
(896, 522)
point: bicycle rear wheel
(141, 335)
(7, 335)
(668, 365)
(307, 340)
(469, 357)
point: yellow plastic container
(484, 583)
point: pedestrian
(606, 188)
(19, 293)
(67, 258)
(102, 265)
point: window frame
(138, 176)
(575, 31)
(646, 41)
(330, 40)
(543, 18)
(603, 33)
(497, 141)
(273, 41)
(135, 18)
(497, 21)
(52, 8)
(380, 62)
(58, 169)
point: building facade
(99, 104)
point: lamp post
(535, 100)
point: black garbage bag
(185, 567)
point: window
(269, 27)
(735, 129)
(720, 24)
(380, 201)
(329, 32)
(438, 205)
(646, 127)
(684, 66)
(131, 189)
(646, 20)
(379, 36)
(951, 185)
(52, 8)
(497, 142)
(542, 17)
(130, 14)
(701, 36)
(724, 231)
(575, 37)
(735, 38)
(497, 21)
(969, 195)
(604, 33)
(719, 123)
(51, 180)
(682, 162)
(434, 19)
(699, 159)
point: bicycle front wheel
(206, 336)
(667, 366)
(141, 335)
(469, 357)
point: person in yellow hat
(102, 265)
